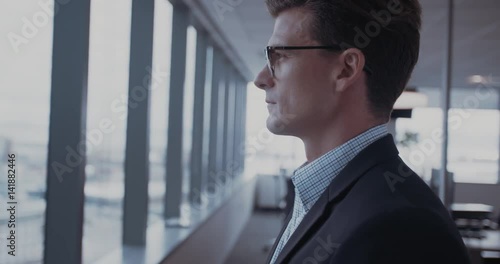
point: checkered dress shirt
(311, 179)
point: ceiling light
(476, 79)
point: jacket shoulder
(403, 235)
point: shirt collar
(312, 178)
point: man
(335, 69)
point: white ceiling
(248, 26)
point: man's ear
(350, 63)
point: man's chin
(276, 127)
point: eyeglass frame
(331, 47)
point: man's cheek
(282, 108)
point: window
(474, 118)
(159, 108)
(107, 100)
(187, 130)
(417, 142)
(473, 144)
(25, 78)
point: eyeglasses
(271, 54)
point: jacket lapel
(305, 226)
(372, 155)
(283, 228)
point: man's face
(300, 96)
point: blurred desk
(490, 242)
(471, 211)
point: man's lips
(270, 102)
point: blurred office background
(140, 138)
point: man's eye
(279, 55)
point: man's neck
(328, 138)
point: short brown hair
(390, 34)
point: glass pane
(187, 131)
(474, 116)
(25, 78)
(473, 142)
(206, 103)
(159, 108)
(107, 102)
(473, 145)
(419, 140)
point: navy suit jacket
(375, 211)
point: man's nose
(264, 79)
